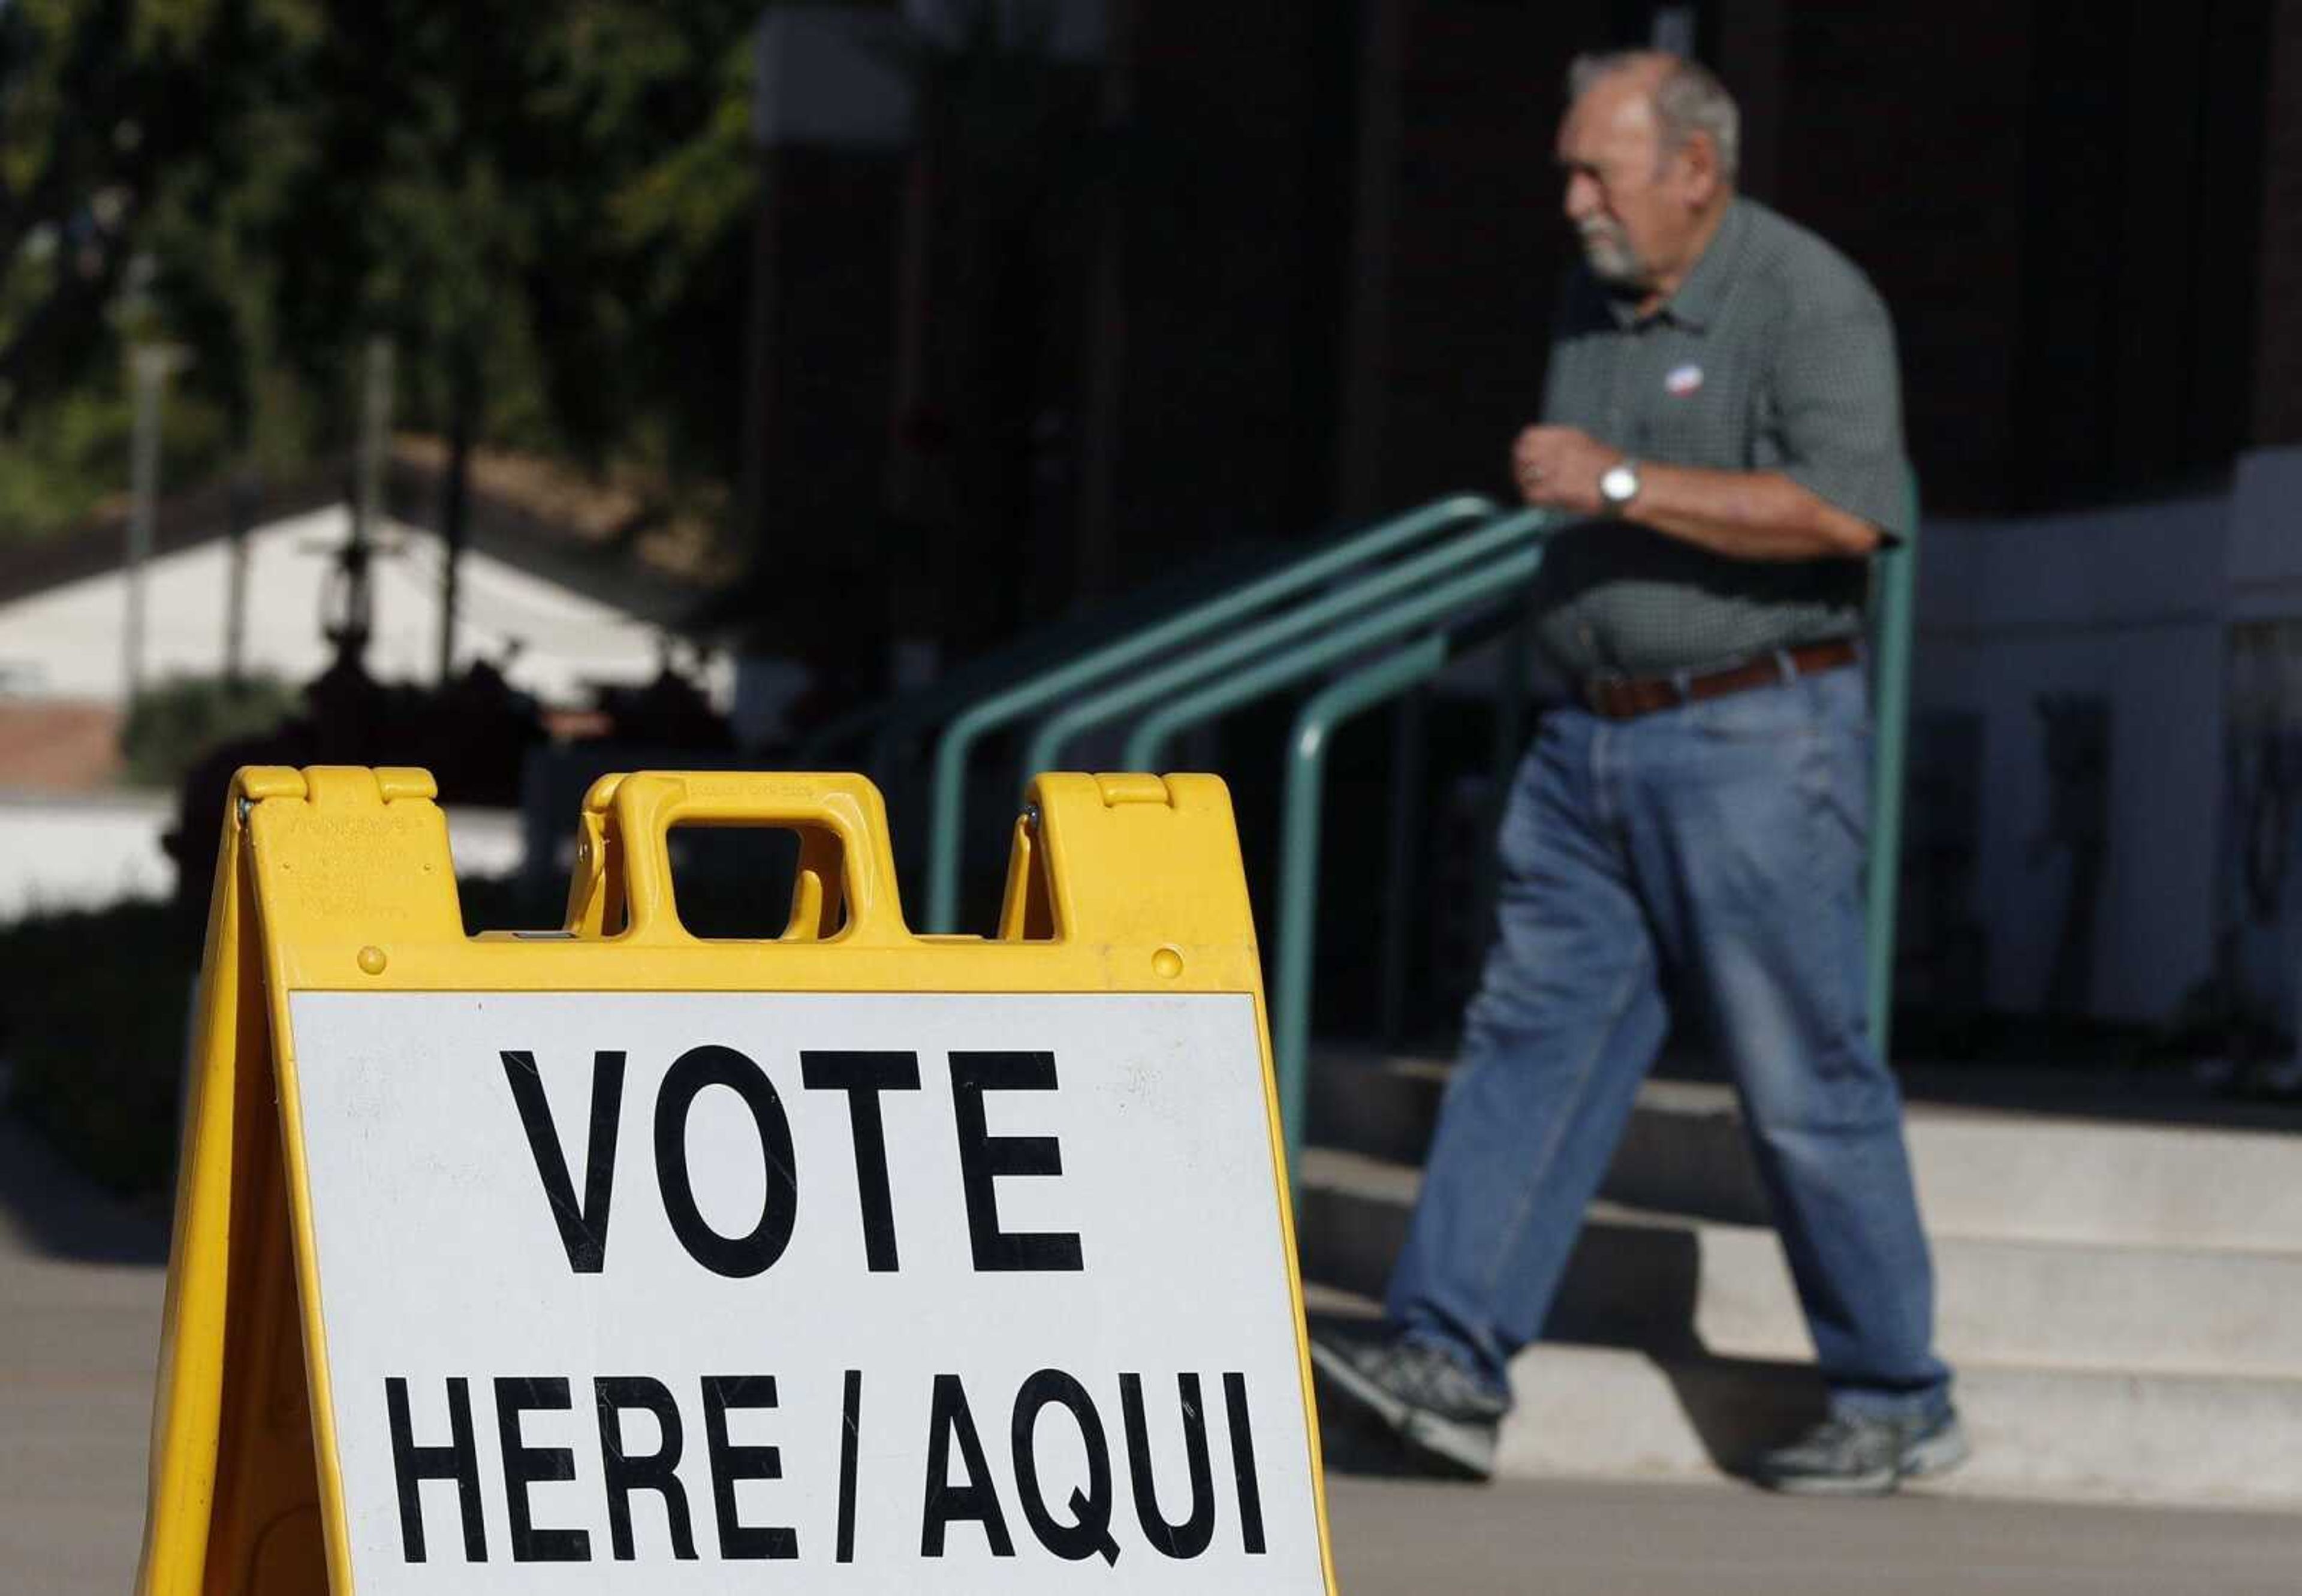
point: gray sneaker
(1845, 1455)
(1434, 1405)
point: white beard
(1609, 256)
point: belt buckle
(1599, 692)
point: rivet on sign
(370, 960)
(1168, 962)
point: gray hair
(1688, 99)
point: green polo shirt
(1775, 354)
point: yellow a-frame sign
(609, 1257)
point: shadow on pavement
(59, 1212)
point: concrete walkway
(1578, 1538)
(80, 1280)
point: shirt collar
(1695, 305)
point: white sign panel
(688, 1292)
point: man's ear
(1699, 172)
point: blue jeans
(1709, 856)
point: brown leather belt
(1625, 698)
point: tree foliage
(544, 203)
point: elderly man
(1721, 412)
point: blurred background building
(891, 332)
(1165, 277)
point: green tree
(98, 100)
(545, 203)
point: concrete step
(1998, 1173)
(2169, 1439)
(1670, 1283)
(2164, 1439)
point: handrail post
(1890, 686)
(946, 806)
(1410, 767)
(1299, 866)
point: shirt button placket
(1619, 371)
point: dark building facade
(1085, 306)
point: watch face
(1619, 485)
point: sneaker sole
(1937, 1454)
(1878, 1483)
(1465, 1448)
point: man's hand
(1559, 468)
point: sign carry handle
(843, 891)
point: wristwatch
(1619, 484)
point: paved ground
(80, 1280)
(1577, 1537)
(79, 1296)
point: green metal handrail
(948, 799)
(1442, 611)
(1375, 591)
(1405, 669)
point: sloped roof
(591, 537)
